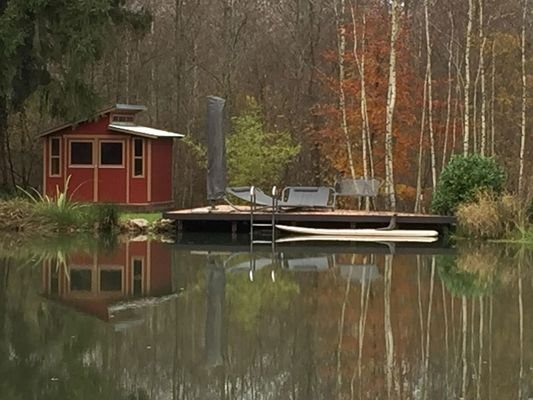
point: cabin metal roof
(144, 131)
(129, 107)
(128, 128)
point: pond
(212, 318)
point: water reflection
(146, 320)
(111, 285)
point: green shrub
(104, 216)
(255, 155)
(463, 178)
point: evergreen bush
(463, 178)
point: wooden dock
(224, 218)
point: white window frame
(51, 156)
(81, 267)
(111, 267)
(135, 157)
(143, 271)
(70, 164)
(102, 141)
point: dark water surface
(150, 320)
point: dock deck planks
(226, 218)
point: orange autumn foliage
(409, 102)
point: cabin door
(81, 169)
(111, 171)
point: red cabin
(110, 159)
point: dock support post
(252, 201)
(179, 230)
(233, 230)
(274, 206)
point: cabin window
(55, 157)
(81, 153)
(138, 156)
(111, 153)
(80, 279)
(122, 118)
(137, 286)
(111, 280)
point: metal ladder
(271, 225)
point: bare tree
(482, 42)
(524, 99)
(365, 127)
(429, 77)
(466, 129)
(449, 95)
(341, 50)
(391, 101)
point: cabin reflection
(110, 286)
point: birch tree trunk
(391, 101)
(153, 72)
(389, 338)
(482, 41)
(3, 135)
(521, 308)
(429, 77)
(492, 99)
(464, 362)
(428, 328)
(418, 200)
(341, 49)
(524, 101)
(466, 129)
(341, 335)
(365, 128)
(449, 95)
(480, 342)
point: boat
(334, 238)
(387, 234)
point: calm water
(149, 320)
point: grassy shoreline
(50, 217)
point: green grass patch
(149, 216)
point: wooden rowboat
(368, 233)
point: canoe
(333, 238)
(393, 233)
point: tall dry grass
(492, 217)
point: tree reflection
(363, 327)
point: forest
(373, 88)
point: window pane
(137, 268)
(122, 118)
(138, 167)
(138, 145)
(55, 146)
(54, 168)
(80, 279)
(111, 280)
(81, 153)
(137, 277)
(111, 153)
